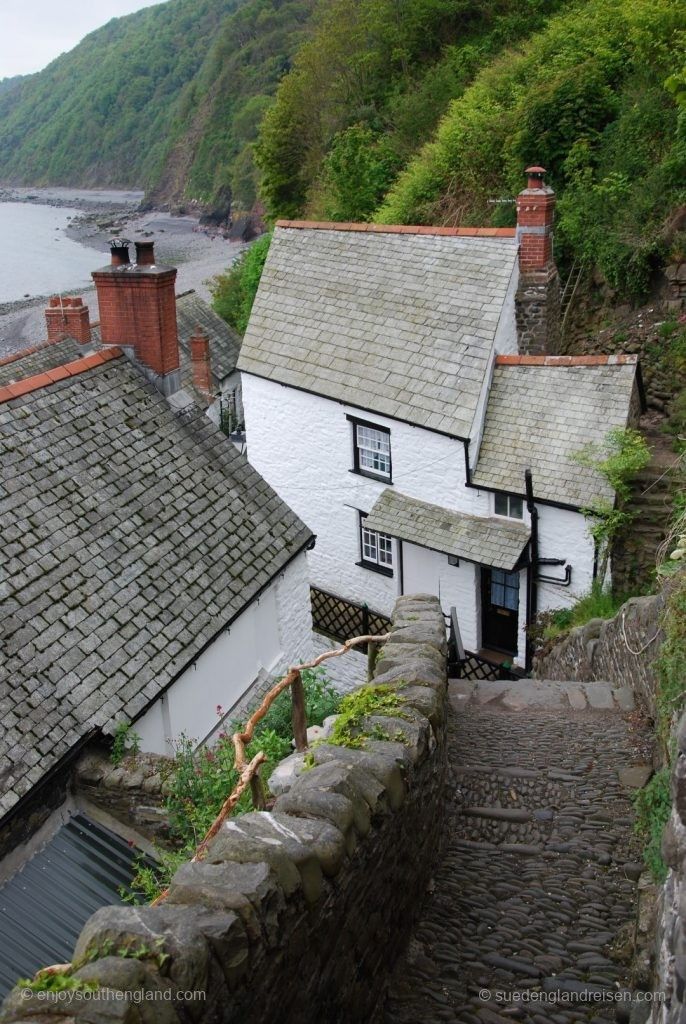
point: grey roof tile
(99, 603)
(495, 542)
(538, 416)
(346, 313)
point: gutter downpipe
(531, 587)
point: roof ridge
(73, 369)
(398, 229)
(617, 359)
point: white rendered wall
(564, 534)
(273, 632)
(303, 445)
(428, 572)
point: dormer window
(371, 450)
(509, 505)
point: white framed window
(509, 505)
(371, 450)
(376, 549)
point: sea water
(36, 256)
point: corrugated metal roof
(44, 906)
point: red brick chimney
(138, 311)
(200, 362)
(537, 302)
(68, 318)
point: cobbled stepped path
(535, 890)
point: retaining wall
(621, 650)
(297, 914)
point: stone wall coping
(223, 916)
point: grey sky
(34, 32)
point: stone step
(529, 694)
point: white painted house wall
(272, 634)
(302, 444)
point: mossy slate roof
(495, 542)
(402, 324)
(131, 533)
(538, 416)
(44, 356)
(192, 311)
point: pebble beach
(198, 253)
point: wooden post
(299, 713)
(371, 661)
(257, 793)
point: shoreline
(198, 254)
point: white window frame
(376, 549)
(371, 450)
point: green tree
(357, 173)
(233, 293)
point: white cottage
(397, 388)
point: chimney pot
(145, 254)
(54, 301)
(535, 176)
(119, 250)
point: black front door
(499, 609)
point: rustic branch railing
(249, 771)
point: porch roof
(494, 542)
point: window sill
(373, 567)
(372, 476)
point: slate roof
(38, 359)
(130, 533)
(495, 542)
(400, 321)
(225, 343)
(540, 411)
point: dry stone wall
(621, 651)
(297, 914)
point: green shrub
(233, 293)
(653, 805)
(598, 603)
(201, 778)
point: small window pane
(501, 504)
(374, 450)
(505, 589)
(515, 507)
(376, 547)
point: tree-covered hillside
(168, 99)
(423, 111)
(10, 83)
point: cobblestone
(535, 890)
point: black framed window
(376, 549)
(371, 450)
(509, 505)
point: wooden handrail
(248, 771)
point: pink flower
(220, 709)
